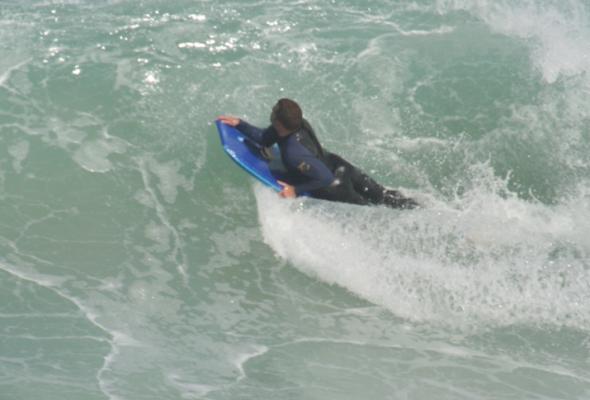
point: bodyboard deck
(266, 166)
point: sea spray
(485, 261)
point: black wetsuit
(322, 174)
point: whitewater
(138, 262)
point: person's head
(286, 117)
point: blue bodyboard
(249, 155)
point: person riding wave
(313, 170)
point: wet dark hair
(288, 113)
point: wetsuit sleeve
(263, 137)
(319, 175)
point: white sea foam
(487, 261)
(197, 17)
(169, 179)
(443, 30)
(19, 151)
(243, 358)
(192, 45)
(125, 68)
(151, 78)
(160, 234)
(83, 137)
(558, 31)
(4, 76)
(93, 155)
(189, 390)
(55, 284)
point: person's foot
(394, 199)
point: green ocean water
(138, 262)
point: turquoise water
(137, 262)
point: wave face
(136, 261)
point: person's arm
(319, 175)
(262, 137)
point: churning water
(137, 262)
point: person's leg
(368, 188)
(361, 182)
(341, 190)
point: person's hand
(288, 191)
(228, 120)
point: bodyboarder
(312, 169)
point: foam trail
(116, 340)
(494, 262)
(161, 212)
(242, 359)
(6, 74)
(189, 390)
(443, 30)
